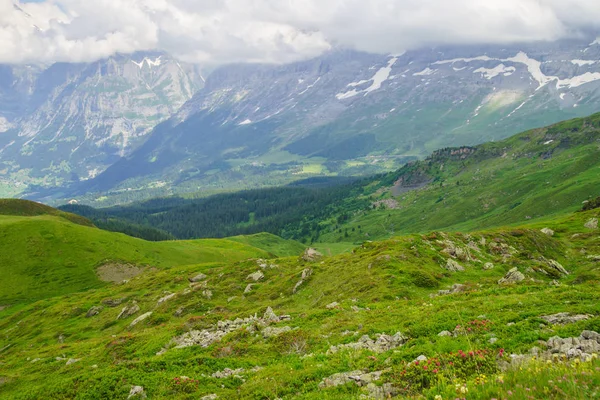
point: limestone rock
(512, 276)
(594, 258)
(555, 265)
(274, 331)
(227, 372)
(270, 316)
(445, 333)
(137, 391)
(331, 306)
(547, 231)
(140, 319)
(198, 278)
(453, 266)
(210, 397)
(381, 344)
(207, 294)
(248, 288)
(306, 273)
(488, 266)
(166, 298)
(311, 254)
(113, 302)
(592, 223)
(93, 311)
(129, 310)
(71, 361)
(256, 276)
(564, 318)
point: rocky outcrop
(381, 344)
(256, 276)
(511, 277)
(306, 273)
(592, 223)
(270, 331)
(140, 319)
(453, 266)
(564, 318)
(547, 231)
(311, 254)
(92, 312)
(129, 310)
(556, 267)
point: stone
(207, 294)
(140, 319)
(594, 258)
(385, 391)
(311, 254)
(381, 344)
(129, 310)
(512, 276)
(547, 231)
(445, 333)
(564, 318)
(113, 302)
(453, 266)
(306, 274)
(227, 372)
(421, 358)
(256, 276)
(487, 266)
(166, 298)
(198, 278)
(592, 223)
(137, 391)
(333, 305)
(210, 397)
(92, 312)
(248, 288)
(493, 340)
(71, 361)
(270, 316)
(555, 265)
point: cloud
(224, 31)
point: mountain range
(156, 128)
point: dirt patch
(115, 272)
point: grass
(271, 244)
(379, 287)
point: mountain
(531, 175)
(496, 313)
(68, 122)
(350, 113)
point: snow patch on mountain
(382, 75)
(147, 61)
(579, 80)
(245, 122)
(494, 72)
(425, 72)
(581, 63)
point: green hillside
(535, 174)
(48, 255)
(190, 340)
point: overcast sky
(213, 32)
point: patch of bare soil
(115, 272)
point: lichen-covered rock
(445, 333)
(547, 231)
(306, 273)
(129, 310)
(198, 278)
(227, 372)
(333, 305)
(137, 391)
(270, 316)
(166, 298)
(453, 266)
(256, 276)
(311, 254)
(140, 319)
(248, 288)
(93, 311)
(270, 331)
(592, 223)
(381, 344)
(564, 318)
(487, 266)
(512, 276)
(556, 266)
(71, 361)
(113, 302)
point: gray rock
(227, 372)
(113, 302)
(564, 318)
(270, 331)
(207, 294)
(331, 306)
(512, 276)
(137, 391)
(594, 258)
(548, 231)
(198, 278)
(256, 276)
(488, 266)
(140, 319)
(445, 333)
(453, 266)
(270, 316)
(248, 288)
(421, 358)
(493, 340)
(166, 298)
(592, 223)
(94, 311)
(306, 273)
(129, 310)
(555, 265)
(210, 397)
(381, 344)
(311, 254)
(71, 361)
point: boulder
(592, 223)
(306, 273)
(555, 265)
(137, 391)
(113, 302)
(256, 276)
(270, 316)
(311, 254)
(512, 276)
(129, 310)
(381, 344)
(210, 397)
(331, 306)
(248, 288)
(548, 231)
(94, 311)
(445, 333)
(71, 361)
(269, 331)
(140, 319)
(197, 278)
(166, 298)
(564, 318)
(453, 266)
(487, 266)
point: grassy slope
(390, 281)
(47, 255)
(538, 173)
(271, 243)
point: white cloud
(222, 31)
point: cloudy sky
(214, 32)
